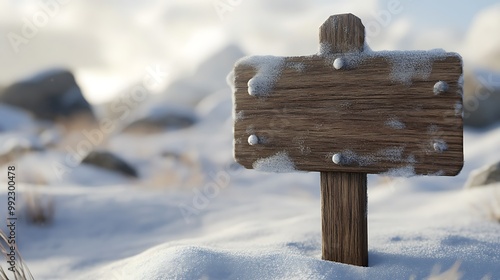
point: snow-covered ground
(243, 224)
(193, 213)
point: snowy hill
(193, 213)
(239, 223)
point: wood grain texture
(341, 34)
(344, 217)
(379, 111)
(321, 111)
(313, 110)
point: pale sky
(109, 43)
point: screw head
(440, 87)
(253, 140)
(338, 63)
(253, 87)
(337, 158)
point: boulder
(482, 85)
(20, 133)
(15, 119)
(109, 161)
(160, 118)
(481, 98)
(168, 105)
(485, 175)
(49, 95)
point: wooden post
(344, 218)
(342, 34)
(344, 195)
(332, 113)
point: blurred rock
(481, 98)
(13, 118)
(161, 118)
(14, 145)
(49, 95)
(109, 161)
(485, 175)
(187, 91)
(20, 133)
(482, 53)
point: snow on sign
(347, 112)
(349, 109)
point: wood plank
(380, 111)
(344, 219)
(343, 195)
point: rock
(49, 95)
(109, 161)
(13, 118)
(20, 133)
(160, 118)
(12, 146)
(187, 91)
(485, 175)
(482, 86)
(481, 98)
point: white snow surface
(395, 123)
(259, 225)
(405, 65)
(20, 131)
(193, 214)
(12, 118)
(245, 224)
(405, 171)
(268, 71)
(440, 146)
(278, 163)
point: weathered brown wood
(371, 109)
(344, 219)
(343, 195)
(342, 34)
(346, 112)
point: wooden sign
(377, 112)
(345, 112)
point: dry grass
(21, 270)
(176, 171)
(39, 210)
(34, 177)
(77, 122)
